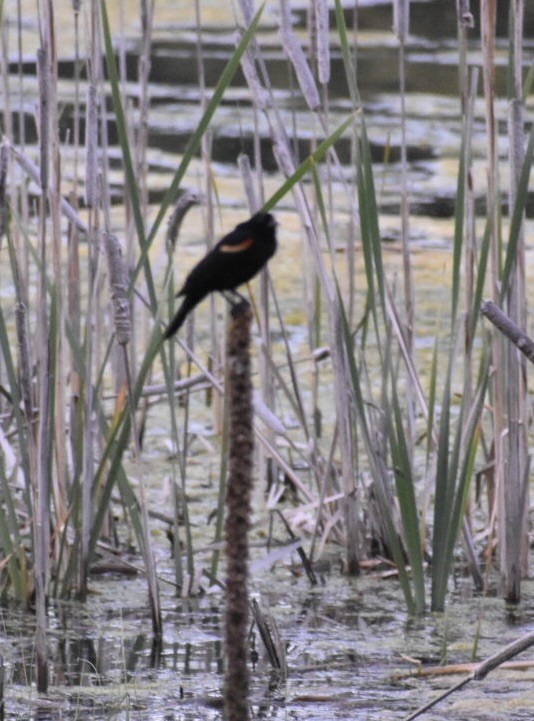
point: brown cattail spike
(238, 513)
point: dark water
(347, 646)
(346, 640)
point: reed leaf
(480, 277)
(459, 220)
(370, 235)
(404, 484)
(350, 72)
(453, 476)
(441, 515)
(308, 164)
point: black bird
(233, 261)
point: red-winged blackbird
(233, 261)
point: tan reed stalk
(253, 182)
(147, 15)
(139, 131)
(59, 487)
(92, 197)
(297, 58)
(209, 192)
(7, 114)
(22, 250)
(238, 499)
(73, 311)
(322, 29)
(4, 208)
(33, 172)
(465, 218)
(498, 381)
(6, 89)
(41, 483)
(514, 536)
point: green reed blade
(517, 215)
(404, 484)
(308, 164)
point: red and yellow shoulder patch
(238, 247)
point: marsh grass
(63, 445)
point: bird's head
(264, 222)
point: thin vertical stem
(402, 23)
(516, 401)
(499, 378)
(41, 482)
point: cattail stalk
(237, 525)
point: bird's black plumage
(233, 261)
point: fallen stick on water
(480, 671)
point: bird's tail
(187, 306)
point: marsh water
(350, 645)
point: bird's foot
(238, 303)
(233, 297)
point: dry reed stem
(514, 559)
(91, 144)
(499, 380)
(182, 205)
(323, 40)
(297, 58)
(262, 97)
(4, 209)
(401, 26)
(41, 482)
(243, 162)
(238, 495)
(32, 171)
(118, 281)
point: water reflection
(344, 642)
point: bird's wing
(216, 262)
